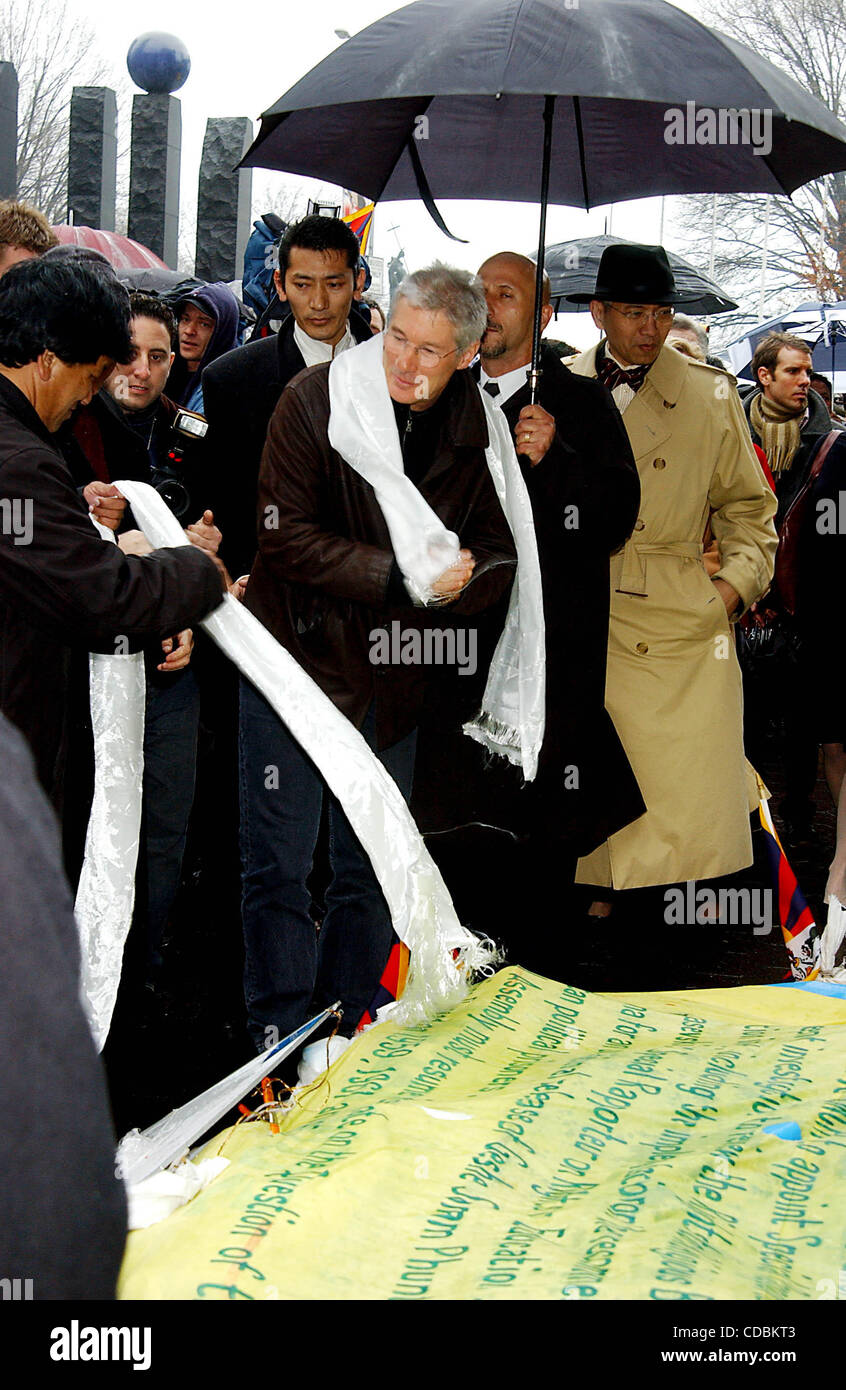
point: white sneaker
(313, 1061)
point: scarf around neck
(779, 429)
(363, 430)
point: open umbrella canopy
(572, 266)
(453, 95)
(821, 326)
(121, 251)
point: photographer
(131, 430)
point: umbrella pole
(535, 374)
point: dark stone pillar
(224, 199)
(8, 130)
(92, 164)
(154, 174)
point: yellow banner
(540, 1142)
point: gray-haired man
(324, 580)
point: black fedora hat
(633, 274)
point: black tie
(492, 388)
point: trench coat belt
(633, 575)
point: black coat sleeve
(77, 587)
(236, 521)
(62, 1209)
(240, 392)
(488, 536)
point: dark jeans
(290, 972)
(170, 768)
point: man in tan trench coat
(673, 685)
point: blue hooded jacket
(186, 388)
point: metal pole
(535, 374)
(713, 236)
(764, 261)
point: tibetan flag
(392, 982)
(361, 222)
(797, 924)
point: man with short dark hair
(317, 262)
(673, 687)
(24, 234)
(127, 431)
(318, 258)
(785, 416)
(328, 577)
(62, 328)
(822, 386)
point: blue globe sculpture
(158, 63)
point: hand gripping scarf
(362, 429)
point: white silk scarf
(442, 952)
(362, 429)
(106, 890)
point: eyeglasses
(427, 357)
(662, 317)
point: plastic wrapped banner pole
(142, 1153)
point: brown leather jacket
(321, 578)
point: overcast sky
(238, 68)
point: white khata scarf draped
(106, 890)
(443, 954)
(362, 429)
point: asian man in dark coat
(62, 327)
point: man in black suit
(318, 259)
(585, 493)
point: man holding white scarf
(376, 500)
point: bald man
(584, 489)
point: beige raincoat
(673, 687)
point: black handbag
(767, 643)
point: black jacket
(589, 470)
(64, 586)
(98, 443)
(62, 1210)
(240, 391)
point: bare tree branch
(52, 52)
(806, 254)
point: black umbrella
(514, 99)
(161, 281)
(572, 266)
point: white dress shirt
(314, 351)
(509, 384)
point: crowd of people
(355, 474)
